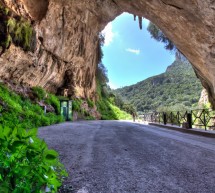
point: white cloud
(134, 51)
(108, 33)
(113, 86)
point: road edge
(180, 129)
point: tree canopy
(178, 87)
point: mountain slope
(178, 85)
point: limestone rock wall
(67, 39)
(203, 99)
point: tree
(101, 71)
(118, 101)
(129, 108)
(100, 45)
(158, 35)
(101, 74)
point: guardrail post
(164, 119)
(189, 120)
(205, 122)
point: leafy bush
(10, 99)
(54, 119)
(89, 118)
(53, 101)
(90, 103)
(39, 92)
(110, 112)
(120, 114)
(9, 119)
(26, 164)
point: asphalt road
(124, 157)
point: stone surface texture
(67, 39)
(203, 98)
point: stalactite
(140, 22)
(135, 17)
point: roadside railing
(198, 118)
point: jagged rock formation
(203, 98)
(67, 39)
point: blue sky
(130, 54)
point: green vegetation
(177, 88)
(158, 35)
(106, 105)
(39, 93)
(20, 32)
(21, 112)
(90, 103)
(26, 164)
(53, 101)
(76, 105)
(82, 112)
(110, 111)
(14, 29)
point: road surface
(125, 157)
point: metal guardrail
(198, 118)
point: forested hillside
(177, 88)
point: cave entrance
(131, 56)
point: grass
(17, 111)
(109, 111)
(106, 107)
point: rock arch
(65, 24)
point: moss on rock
(15, 30)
